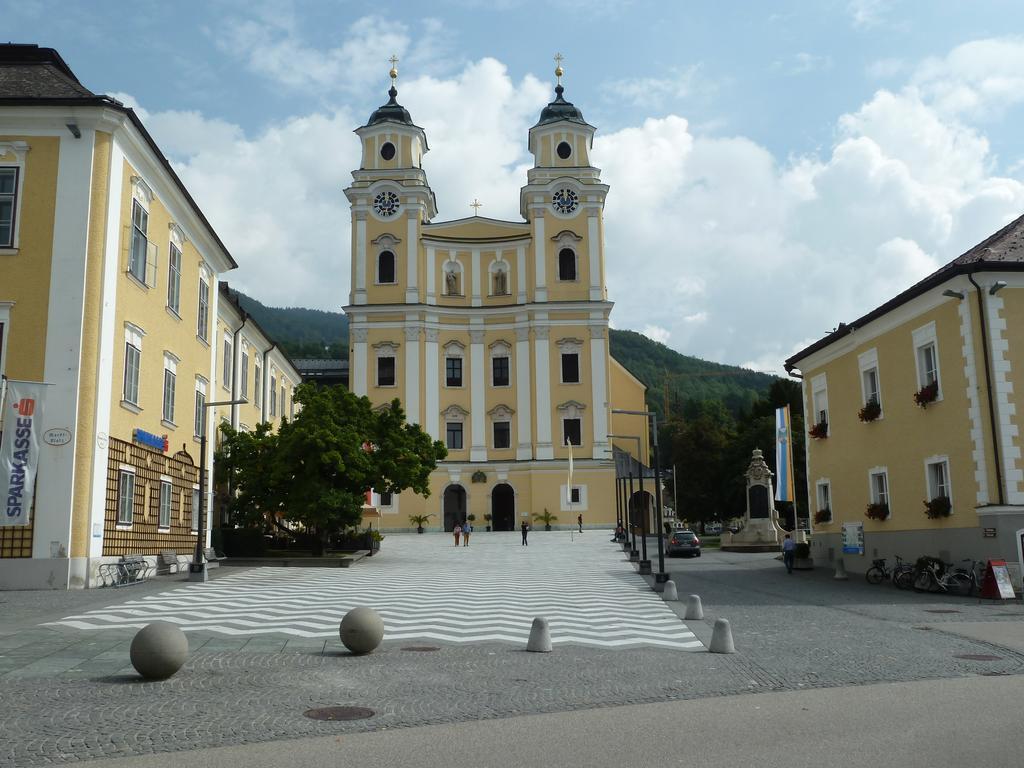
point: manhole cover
(941, 610)
(977, 657)
(421, 648)
(339, 713)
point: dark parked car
(684, 543)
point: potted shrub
(471, 518)
(823, 515)
(872, 410)
(545, 517)
(877, 511)
(802, 557)
(927, 394)
(419, 521)
(487, 519)
(939, 507)
(819, 431)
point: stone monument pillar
(761, 521)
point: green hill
(668, 374)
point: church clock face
(386, 204)
(565, 201)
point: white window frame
(454, 350)
(873, 494)
(284, 397)
(867, 364)
(273, 393)
(924, 337)
(494, 434)
(124, 520)
(149, 253)
(243, 373)
(132, 341)
(228, 362)
(393, 384)
(17, 150)
(933, 489)
(199, 417)
(819, 402)
(203, 311)
(462, 435)
(257, 384)
(193, 524)
(501, 349)
(823, 496)
(166, 484)
(581, 506)
(170, 367)
(15, 197)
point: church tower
(494, 334)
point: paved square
(427, 589)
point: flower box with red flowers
(872, 410)
(823, 516)
(819, 431)
(877, 512)
(939, 507)
(927, 394)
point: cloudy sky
(775, 168)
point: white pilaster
(540, 291)
(476, 298)
(433, 383)
(520, 274)
(594, 258)
(55, 490)
(431, 266)
(973, 403)
(359, 374)
(360, 292)
(1005, 410)
(542, 362)
(599, 390)
(477, 378)
(412, 374)
(412, 250)
(524, 427)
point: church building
(493, 334)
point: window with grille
(454, 435)
(453, 371)
(500, 371)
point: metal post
(633, 554)
(660, 577)
(645, 564)
(197, 569)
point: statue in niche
(451, 283)
(500, 283)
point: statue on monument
(761, 530)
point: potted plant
(823, 515)
(927, 394)
(872, 410)
(487, 519)
(939, 507)
(471, 518)
(545, 517)
(877, 511)
(819, 431)
(802, 557)
(419, 521)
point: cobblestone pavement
(69, 695)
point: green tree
(699, 442)
(337, 448)
(242, 476)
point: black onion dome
(560, 109)
(391, 112)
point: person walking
(457, 530)
(524, 528)
(788, 552)
(467, 528)
(579, 521)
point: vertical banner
(783, 456)
(19, 449)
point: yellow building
(108, 294)
(493, 334)
(916, 403)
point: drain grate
(339, 713)
(941, 610)
(421, 648)
(977, 657)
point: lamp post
(660, 577)
(645, 564)
(197, 569)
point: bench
(167, 562)
(130, 569)
(212, 558)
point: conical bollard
(694, 610)
(670, 591)
(721, 638)
(840, 571)
(540, 637)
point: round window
(387, 151)
(563, 150)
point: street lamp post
(660, 577)
(197, 569)
(633, 554)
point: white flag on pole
(19, 450)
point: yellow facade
(964, 329)
(493, 334)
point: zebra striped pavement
(424, 588)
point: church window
(385, 371)
(386, 267)
(500, 371)
(502, 434)
(387, 151)
(571, 432)
(453, 371)
(570, 368)
(567, 264)
(564, 150)
(454, 435)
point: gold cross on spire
(558, 68)
(475, 205)
(394, 68)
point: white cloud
(656, 333)
(866, 13)
(802, 63)
(978, 80)
(883, 69)
(654, 92)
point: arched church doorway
(641, 509)
(503, 508)
(454, 506)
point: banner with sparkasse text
(19, 450)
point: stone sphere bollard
(540, 637)
(721, 638)
(158, 650)
(670, 593)
(694, 609)
(361, 630)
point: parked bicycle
(936, 576)
(899, 573)
(975, 572)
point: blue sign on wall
(148, 438)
